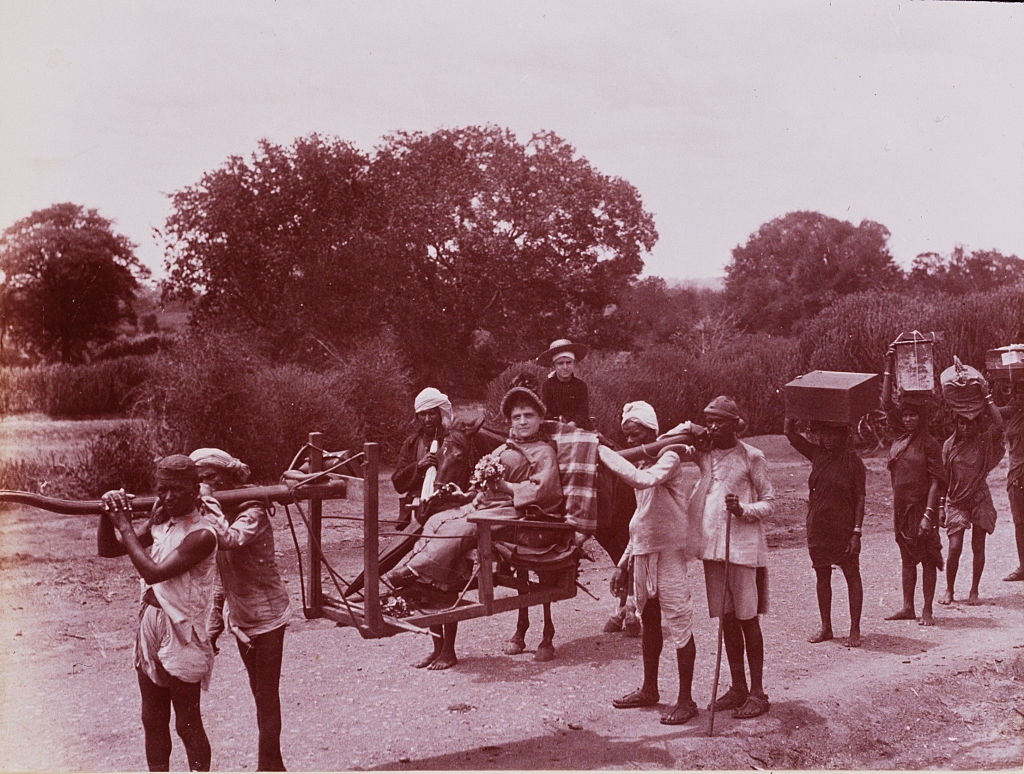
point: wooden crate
(1006, 363)
(832, 396)
(915, 363)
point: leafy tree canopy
(451, 239)
(526, 241)
(794, 265)
(963, 272)
(68, 280)
(275, 243)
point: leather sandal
(755, 705)
(731, 699)
(679, 714)
(637, 698)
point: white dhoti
(664, 576)
(163, 649)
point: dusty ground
(947, 697)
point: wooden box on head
(1006, 363)
(915, 371)
(836, 397)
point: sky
(724, 115)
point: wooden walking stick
(721, 617)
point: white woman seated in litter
(528, 481)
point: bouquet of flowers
(487, 469)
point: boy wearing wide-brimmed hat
(564, 393)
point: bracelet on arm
(856, 530)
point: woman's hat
(563, 347)
(523, 393)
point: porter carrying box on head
(1006, 363)
(837, 397)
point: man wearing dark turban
(735, 494)
(173, 655)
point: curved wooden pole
(690, 437)
(334, 488)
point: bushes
(751, 368)
(121, 456)
(217, 391)
(853, 333)
(106, 388)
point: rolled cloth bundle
(964, 389)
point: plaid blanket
(577, 467)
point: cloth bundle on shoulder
(960, 389)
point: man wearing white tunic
(173, 655)
(735, 495)
(661, 543)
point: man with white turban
(419, 451)
(662, 541)
(258, 605)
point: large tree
(793, 265)
(68, 280)
(274, 242)
(963, 272)
(516, 243)
(466, 242)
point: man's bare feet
(443, 661)
(926, 619)
(853, 641)
(903, 614)
(946, 598)
(973, 598)
(425, 662)
(822, 635)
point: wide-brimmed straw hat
(562, 347)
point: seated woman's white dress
(531, 469)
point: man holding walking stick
(733, 498)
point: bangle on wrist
(856, 530)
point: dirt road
(912, 697)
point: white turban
(217, 458)
(431, 398)
(642, 413)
